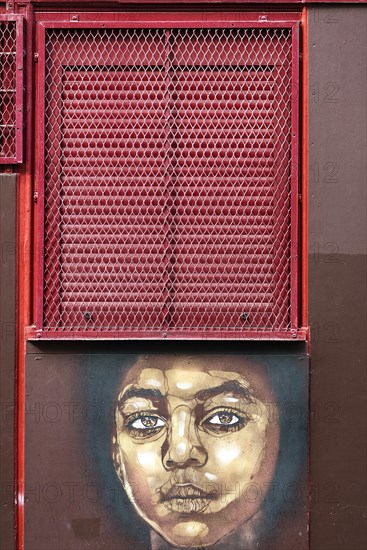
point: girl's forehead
(183, 383)
(155, 386)
(185, 375)
(215, 364)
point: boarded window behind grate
(168, 180)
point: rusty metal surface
(337, 276)
(7, 356)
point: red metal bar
(39, 335)
(304, 183)
(172, 24)
(124, 19)
(19, 89)
(24, 271)
(298, 3)
(39, 174)
(294, 178)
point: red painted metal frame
(294, 334)
(26, 300)
(294, 281)
(304, 178)
(217, 4)
(24, 272)
(19, 61)
(163, 20)
(153, 19)
(39, 173)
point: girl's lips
(187, 498)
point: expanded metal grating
(11, 88)
(167, 173)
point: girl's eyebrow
(231, 386)
(135, 392)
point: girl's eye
(224, 419)
(147, 422)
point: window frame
(114, 20)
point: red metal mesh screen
(167, 180)
(8, 88)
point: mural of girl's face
(195, 446)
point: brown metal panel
(72, 496)
(337, 142)
(7, 356)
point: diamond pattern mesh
(7, 89)
(167, 180)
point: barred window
(170, 182)
(11, 88)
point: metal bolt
(164, 335)
(244, 316)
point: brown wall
(7, 356)
(337, 268)
(337, 286)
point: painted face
(195, 446)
